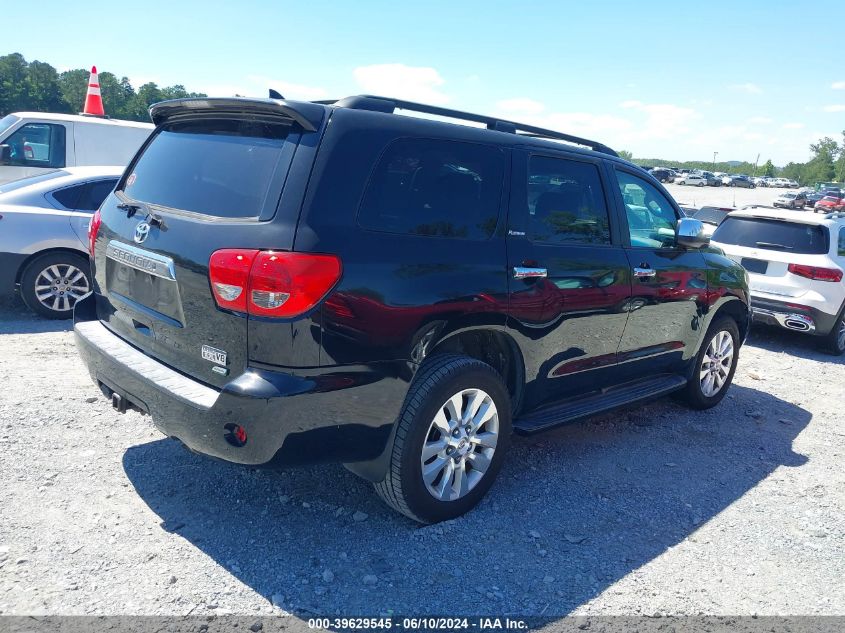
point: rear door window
(229, 168)
(69, 196)
(94, 194)
(435, 188)
(842, 242)
(566, 202)
(778, 235)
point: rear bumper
(792, 317)
(333, 414)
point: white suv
(795, 265)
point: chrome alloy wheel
(716, 364)
(459, 445)
(59, 286)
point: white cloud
(838, 85)
(748, 88)
(834, 108)
(662, 120)
(641, 127)
(415, 83)
(760, 120)
(521, 105)
(793, 126)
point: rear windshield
(710, 215)
(777, 235)
(221, 167)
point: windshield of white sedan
(776, 235)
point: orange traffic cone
(93, 100)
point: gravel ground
(687, 195)
(737, 510)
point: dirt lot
(722, 196)
(657, 510)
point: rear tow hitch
(118, 402)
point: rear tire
(834, 342)
(52, 283)
(443, 387)
(714, 371)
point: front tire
(715, 365)
(451, 438)
(52, 283)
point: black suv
(281, 282)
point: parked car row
(700, 178)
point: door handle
(524, 272)
(644, 272)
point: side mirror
(690, 233)
(5, 154)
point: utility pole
(713, 168)
(755, 164)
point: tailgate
(210, 177)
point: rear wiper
(129, 207)
(773, 245)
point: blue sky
(661, 79)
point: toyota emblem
(141, 232)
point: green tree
(625, 154)
(768, 169)
(117, 100)
(43, 87)
(794, 171)
(14, 87)
(74, 85)
(822, 166)
(840, 162)
(37, 86)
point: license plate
(758, 266)
(214, 355)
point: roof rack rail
(388, 105)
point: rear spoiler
(309, 116)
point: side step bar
(595, 403)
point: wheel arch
(487, 344)
(738, 311)
(494, 347)
(47, 251)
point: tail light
(229, 272)
(271, 283)
(815, 272)
(93, 229)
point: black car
(712, 180)
(813, 198)
(742, 181)
(281, 282)
(663, 175)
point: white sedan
(691, 179)
(43, 236)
